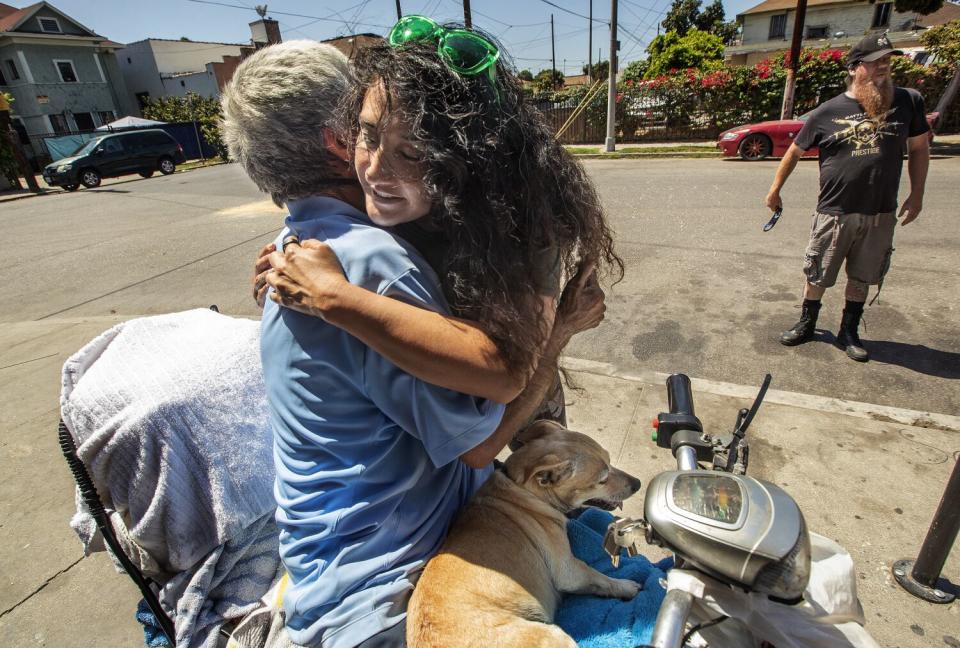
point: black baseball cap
(870, 48)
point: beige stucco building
(767, 28)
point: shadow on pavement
(917, 357)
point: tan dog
(498, 578)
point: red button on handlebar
(656, 423)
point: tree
(548, 80)
(685, 15)
(698, 49)
(682, 16)
(943, 41)
(924, 7)
(191, 108)
(600, 70)
(635, 70)
(8, 161)
(713, 20)
(525, 75)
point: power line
(573, 13)
(329, 18)
(497, 20)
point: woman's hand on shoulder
(260, 270)
(582, 304)
(305, 277)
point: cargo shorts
(864, 241)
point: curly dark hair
(503, 190)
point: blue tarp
(64, 145)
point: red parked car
(766, 139)
(773, 138)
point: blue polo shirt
(368, 476)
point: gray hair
(275, 111)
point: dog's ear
(555, 473)
(535, 430)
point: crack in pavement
(17, 364)
(158, 275)
(39, 589)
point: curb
(882, 413)
(618, 156)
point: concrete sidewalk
(869, 477)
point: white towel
(169, 415)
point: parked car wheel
(755, 147)
(71, 187)
(167, 166)
(89, 178)
(146, 174)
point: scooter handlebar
(680, 395)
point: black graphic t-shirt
(861, 158)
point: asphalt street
(705, 291)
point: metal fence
(633, 124)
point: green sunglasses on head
(462, 50)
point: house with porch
(767, 28)
(62, 75)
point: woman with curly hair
(471, 207)
(510, 212)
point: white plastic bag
(830, 615)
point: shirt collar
(307, 208)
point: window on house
(778, 26)
(129, 61)
(106, 116)
(84, 121)
(817, 32)
(67, 73)
(183, 84)
(12, 69)
(49, 26)
(59, 124)
(881, 14)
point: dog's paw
(625, 589)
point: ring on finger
(289, 240)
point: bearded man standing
(861, 135)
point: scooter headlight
(788, 577)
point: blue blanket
(610, 623)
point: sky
(522, 26)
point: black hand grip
(679, 395)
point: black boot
(803, 330)
(848, 338)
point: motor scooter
(747, 570)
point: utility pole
(466, 14)
(611, 143)
(590, 47)
(399, 12)
(553, 56)
(786, 112)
